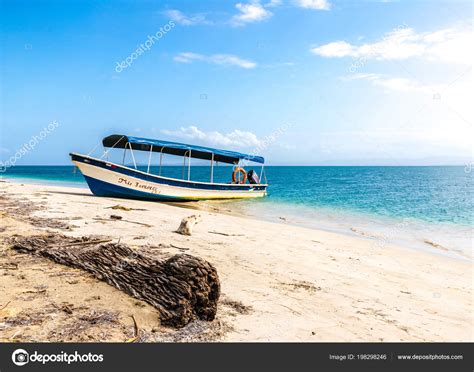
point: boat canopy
(176, 148)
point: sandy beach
(279, 282)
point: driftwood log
(187, 224)
(182, 288)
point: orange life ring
(234, 175)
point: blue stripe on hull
(101, 188)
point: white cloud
(182, 19)
(188, 57)
(395, 83)
(273, 3)
(335, 49)
(314, 4)
(250, 12)
(218, 59)
(451, 45)
(235, 138)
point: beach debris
(35, 292)
(93, 298)
(122, 220)
(289, 308)
(96, 317)
(223, 233)
(67, 308)
(136, 331)
(197, 331)
(180, 248)
(28, 317)
(115, 217)
(187, 224)
(366, 234)
(91, 325)
(22, 210)
(126, 209)
(4, 306)
(435, 245)
(9, 266)
(87, 242)
(238, 306)
(48, 223)
(304, 285)
(139, 237)
(182, 288)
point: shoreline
(279, 282)
(433, 238)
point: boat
(110, 179)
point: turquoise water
(431, 194)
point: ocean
(428, 208)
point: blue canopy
(176, 148)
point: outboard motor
(253, 177)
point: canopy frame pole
(124, 153)
(133, 157)
(149, 159)
(189, 166)
(106, 152)
(95, 147)
(261, 174)
(184, 163)
(161, 160)
(212, 168)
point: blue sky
(300, 81)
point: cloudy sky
(299, 81)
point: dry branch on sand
(225, 234)
(182, 288)
(114, 217)
(126, 209)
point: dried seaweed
(238, 306)
(197, 331)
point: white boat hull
(108, 179)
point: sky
(301, 82)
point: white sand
(302, 284)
